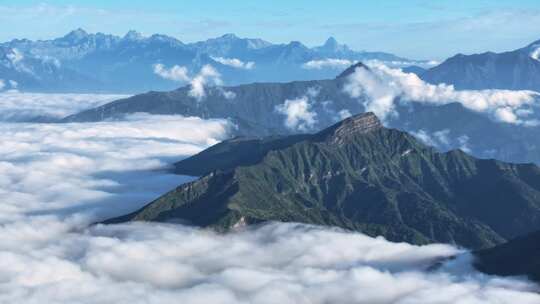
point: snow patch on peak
(407, 152)
(535, 54)
(15, 56)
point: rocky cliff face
(352, 126)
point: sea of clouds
(22, 106)
(57, 179)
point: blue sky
(414, 29)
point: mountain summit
(350, 70)
(357, 175)
(133, 35)
(331, 44)
(332, 47)
(76, 35)
(352, 126)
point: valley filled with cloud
(23, 106)
(56, 180)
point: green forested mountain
(360, 176)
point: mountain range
(84, 62)
(258, 110)
(324, 169)
(357, 175)
(513, 70)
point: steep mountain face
(255, 110)
(518, 257)
(515, 70)
(102, 62)
(234, 152)
(361, 176)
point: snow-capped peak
(535, 53)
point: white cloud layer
(56, 178)
(235, 63)
(17, 106)
(80, 163)
(332, 63)
(384, 87)
(299, 115)
(47, 261)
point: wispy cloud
(235, 63)
(175, 73)
(331, 63)
(443, 139)
(207, 76)
(298, 112)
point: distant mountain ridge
(254, 111)
(356, 175)
(513, 70)
(84, 62)
(103, 62)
